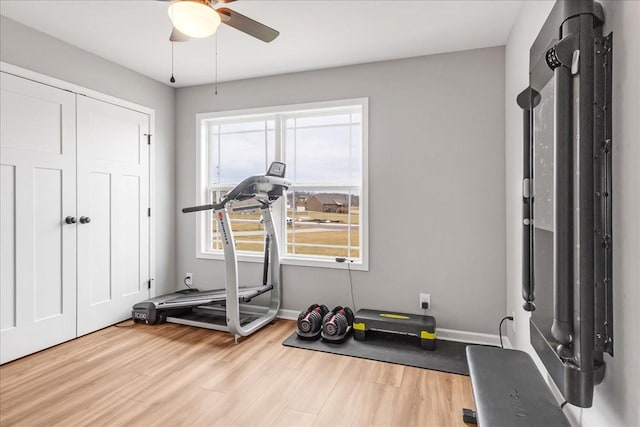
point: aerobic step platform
(397, 323)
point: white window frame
(202, 186)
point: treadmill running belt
(206, 297)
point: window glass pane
(271, 149)
(215, 240)
(246, 224)
(239, 156)
(355, 154)
(324, 224)
(321, 155)
(354, 224)
(290, 149)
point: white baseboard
(472, 337)
(442, 334)
(288, 314)
(507, 342)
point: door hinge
(149, 212)
(149, 284)
(148, 135)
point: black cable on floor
(118, 325)
(348, 261)
(500, 328)
(124, 326)
(353, 300)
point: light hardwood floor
(175, 375)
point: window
(324, 145)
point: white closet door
(113, 191)
(37, 189)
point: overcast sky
(314, 155)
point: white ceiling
(313, 34)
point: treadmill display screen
(276, 169)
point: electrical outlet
(513, 322)
(188, 279)
(425, 299)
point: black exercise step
(509, 391)
(423, 327)
(395, 322)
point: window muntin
(324, 147)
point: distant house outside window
(323, 215)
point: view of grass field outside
(332, 234)
(324, 224)
(322, 150)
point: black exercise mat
(449, 356)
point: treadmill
(219, 309)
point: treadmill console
(276, 169)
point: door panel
(38, 162)
(35, 101)
(8, 247)
(99, 238)
(131, 243)
(113, 190)
(47, 257)
(116, 136)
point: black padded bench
(509, 391)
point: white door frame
(83, 91)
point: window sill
(288, 260)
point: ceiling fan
(199, 18)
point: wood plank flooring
(174, 375)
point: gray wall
(28, 48)
(616, 400)
(436, 157)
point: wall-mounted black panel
(567, 197)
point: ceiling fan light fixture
(194, 18)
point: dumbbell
(310, 321)
(337, 323)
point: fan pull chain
(172, 79)
(216, 64)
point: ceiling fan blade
(177, 36)
(247, 25)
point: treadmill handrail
(262, 194)
(261, 188)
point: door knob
(85, 220)
(70, 220)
